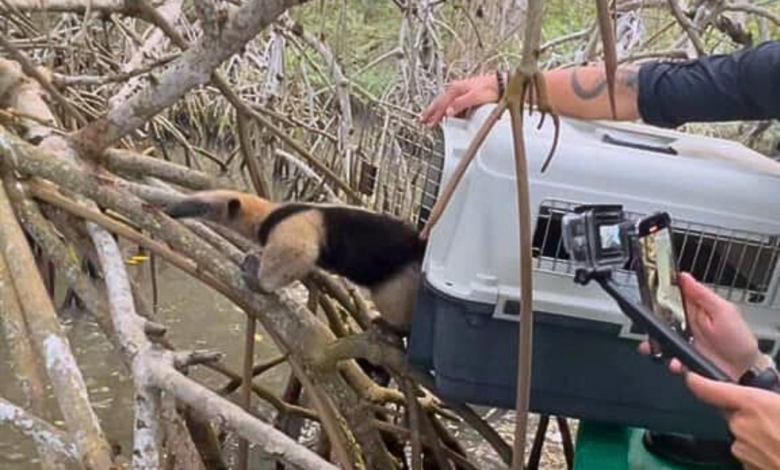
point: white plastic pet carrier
(724, 202)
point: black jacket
(741, 86)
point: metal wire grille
(736, 263)
(400, 167)
(430, 189)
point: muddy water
(197, 318)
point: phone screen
(657, 273)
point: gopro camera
(598, 236)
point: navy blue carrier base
(581, 368)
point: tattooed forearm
(627, 77)
(588, 93)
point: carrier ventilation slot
(738, 264)
(432, 181)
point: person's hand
(753, 416)
(719, 331)
(459, 96)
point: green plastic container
(613, 447)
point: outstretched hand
(459, 96)
(719, 331)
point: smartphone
(656, 267)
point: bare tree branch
(273, 442)
(50, 340)
(688, 26)
(63, 81)
(23, 94)
(134, 344)
(754, 9)
(170, 10)
(33, 72)
(65, 6)
(44, 434)
(26, 367)
(152, 368)
(133, 164)
(193, 68)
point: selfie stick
(672, 344)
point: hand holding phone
(599, 239)
(721, 333)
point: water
(197, 318)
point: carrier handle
(666, 149)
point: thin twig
(31, 71)
(63, 81)
(754, 9)
(246, 388)
(280, 405)
(257, 370)
(688, 26)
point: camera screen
(610, 237)
(658, 280)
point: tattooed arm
(743, 85)
(579, 92)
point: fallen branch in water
(26, 368)
(49, 338)
(44, 434)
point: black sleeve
(740, 86)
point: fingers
(720, 394)
(739, 450)
(698, 293)
(459, 96)
(702, 305)
(434, 113)
(676, 366)
(463, 102)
